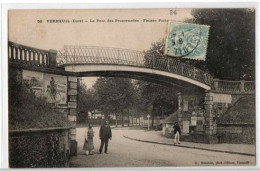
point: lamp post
(148, 116)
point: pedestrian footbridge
(83, 61)
(103, 61)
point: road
(123, 152)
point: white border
(114, 4)
(1, 93)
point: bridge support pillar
(72, 116)
(210, 126)
(180, 118)
(52, 59)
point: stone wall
(40, 148)
(237, 134)
(235, 118)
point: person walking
(104, 134)
(88, 144)
(177, 133)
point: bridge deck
(72, 55)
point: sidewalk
(157, 138)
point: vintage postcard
(101, 88)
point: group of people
(105, 134)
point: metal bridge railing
(103, 55)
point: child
(88, 144)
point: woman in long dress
(88, 145)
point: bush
(26, 110)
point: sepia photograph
(135, 87)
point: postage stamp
(187, 40)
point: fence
(234, 86)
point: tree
(140, 106)
(115, 95)
(159, 99)
(231, 44)
(87, 101)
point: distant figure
(177, 133)
(104, 134)
(88, 144)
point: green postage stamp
(187, 40)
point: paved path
(157, 137)
(128, 153)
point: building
(96, 115)
(167, 125)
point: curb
(199, 148)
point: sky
(31, 28)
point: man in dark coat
(104, 134)
(177, 133)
